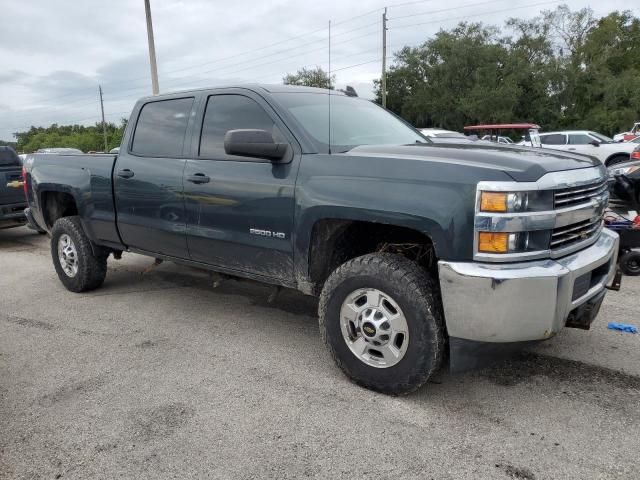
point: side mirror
(253, 143)
(595, 143)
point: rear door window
(161, 128)
(553, 139)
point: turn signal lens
(489, 242)
(493, 202)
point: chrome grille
(568, 235)
(566, 197)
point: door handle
(126, 173)
(570, 148)
(198, 178)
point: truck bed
(88, 178)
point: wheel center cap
(369, 329)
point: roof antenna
(329, 87)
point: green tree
(73, 136)
(310, 77)
(561, 69)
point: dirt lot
(161, 376)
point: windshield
(354, 121)
(602, 138)
(9, 157)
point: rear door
(240, 209)
(582, 143)
(148, 178)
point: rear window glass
(161, 128)
(9, 157)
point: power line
(478, 14)
(447, 9)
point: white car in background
(498, 139)
(441, 133)
(588, 143)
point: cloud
(55, 54)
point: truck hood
(523, 164)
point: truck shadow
(530, 371)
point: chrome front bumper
(523, 301)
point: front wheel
(381, 320)
(78, 267)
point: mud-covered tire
(630, 263)
(417, 295)
(91, 267)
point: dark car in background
(12, 198)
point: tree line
(85, 138)
(562, 69)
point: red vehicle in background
(630, 135)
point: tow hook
(617, 281)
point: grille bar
(578, 195)
(575, 233)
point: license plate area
(583, 316)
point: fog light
(490, 242)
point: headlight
(502, 201)
(623, 170)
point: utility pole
(383, 83)
(104, 125)
(152, 49)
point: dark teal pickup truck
(418, 251)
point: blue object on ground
(623, 327)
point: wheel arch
(622, 156)
(335, 240)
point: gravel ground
(158, 375)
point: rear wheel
(78, 267)
(630, 263)
(381, 320)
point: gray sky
(55, 53)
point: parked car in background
(60, 150)
(115, 150)
(498, 139)
(12, 197)
(413, 246)
(529, 139)
(439, 132)
(630, 135)
(587, 142)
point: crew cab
(12, 199)
(413, 247)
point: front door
(240, 209)
(148, 178)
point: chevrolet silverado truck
(419, 252)
(12, 199)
